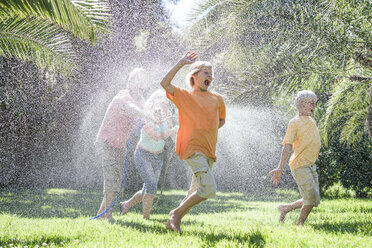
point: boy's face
(307, 107)
(202, 79)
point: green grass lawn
(60, 218)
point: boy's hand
(277, 174)
(189, 58)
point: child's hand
(277, 174)
(189, 57)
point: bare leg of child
(147, 205)
(305, 211)
(108, 199)
(126, 205)
(286, 208)
(176, 215)
(193, 187)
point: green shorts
(306, 179)
(201, 167)
(112, 160)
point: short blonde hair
(303, 96)
(195, 68)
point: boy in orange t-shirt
(200, 113)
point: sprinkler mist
(51, 123)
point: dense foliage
(269, 50)
(41, 31)
(49, 122)
(263, 53)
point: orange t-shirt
(199, 115)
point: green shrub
(339, 191)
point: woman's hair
(303, 96)
(136, 77)
(195, 68)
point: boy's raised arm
(188, 58)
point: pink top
(119, 120)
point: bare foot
(124, 207)
(283, 209)
(168, 225)
(174, 223)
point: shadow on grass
(71, 203)
(48, 203)
(355, 227)
(63, 203)
(140, 226)
(253, 238)
(225, 202)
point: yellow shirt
(303, 134)
(199, 115)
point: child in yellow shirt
(303, 136)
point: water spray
(125, 169)
(168, 160)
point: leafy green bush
(339, 191)
(349, 165)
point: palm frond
(83, 18)
(220, 7)
(353, 129)
(346, 113)
(33, 39)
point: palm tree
(281, 46)
(41, 31)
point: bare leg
(126, 205)
(108, 199)
(305, 211)
(193, 187)
(286, 208)
(146, 205)
(176, 215)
